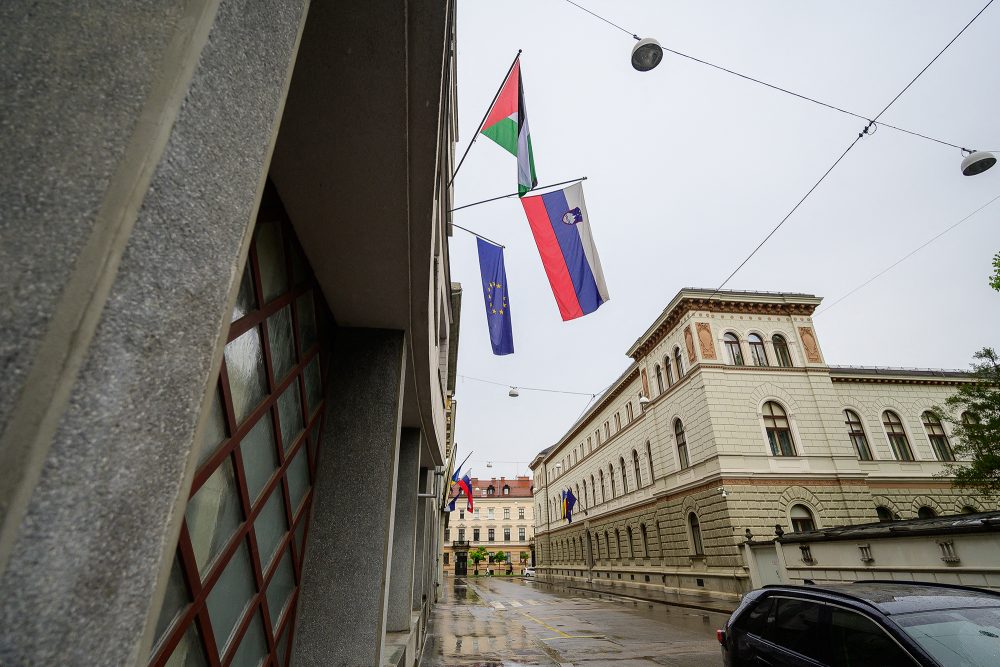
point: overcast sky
(689, 168)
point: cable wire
(906, 256)
(806, 97)
(512, 386)
(789, 214)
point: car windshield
(957, 637)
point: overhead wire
(517, 386)
(906, 256)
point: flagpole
(514, 194)
(480, 236)
(480, 126)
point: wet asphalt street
(511, 622)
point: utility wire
(926, 67)
(806, 97)
(871, 126)
(907, 256)
(789, 214)
(512, 386)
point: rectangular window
(590, 444)
(445, 557)
(618, 422)
(461, 514)
(447, 534)
(461, 534)
(506, 512)
(491, 534)
(475, 534)
(520, 512)
(506, 534)
(489, 513)
(607, 430)
(520, 534)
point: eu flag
(495, 294)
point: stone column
(341, 616)
(403, 573)
(420, 553)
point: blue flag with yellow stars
(497, 300)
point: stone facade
(699, 448)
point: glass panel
(280, 588)
(189, 651)
(246, 300)
(283, 649)
(279, 333)
(956, 636)
(230, 596)
(300, 265)
(253, 646)
(856, 640)
(796, 626)
(271, 258)
(290, 414)
(298, 478)
(215, 429)
(260, 455)
(300, 533)
(247, 379)
(177, 598)
(307, 321)
(314, 387)
(214, 514)
(270, 526)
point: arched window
(618, 541)
(635, 464)
(600, 474)
(682, 447)
(969, 509)
(607, 545)
(628, 537)
(969, 419)
(856, 432)
(884, 513)
(897, 436)
(629, 414)
(618, 422)
(645, 541)
(659, 379)
(624, 476)
(649, 458)
(926, 512)
(670, 371)
(757, 350)
(733, 349)
(578, 491)
(611, 480)
(781, 350)
(779, 435)
(937, 436)
(802, 519)
(679, 362)
(695, 528)
(506, 490)
(584, 498)
(593, 489)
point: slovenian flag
(507, 124)
(561, 229)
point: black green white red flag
(507, 125)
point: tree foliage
(995, 278)
(478, 555)
(974, 412)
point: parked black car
(876, 623)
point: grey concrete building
(228, 329)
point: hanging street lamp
(976, 162)
(646, 54)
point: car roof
(902, 597)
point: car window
(960, 637)
(795, 625)
(857, 640)
(753, 619)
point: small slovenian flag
(507, 124)
(561, 229)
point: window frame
(734, 351)
(782, 353)
(895, 438)
(680, 440)
(858, 437)
(937, 437)
(758, 352)
(694, 534)
(773, 431)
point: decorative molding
(719, 306)
(705, 341)
(809, 345)
(689, 343)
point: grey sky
(689, 168)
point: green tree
(995, 278)
(974, 412)
(478, 555)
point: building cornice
(739, 303)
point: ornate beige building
(502, 520)
(730, 420)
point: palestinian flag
(507, 124)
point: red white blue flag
(561, 229)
